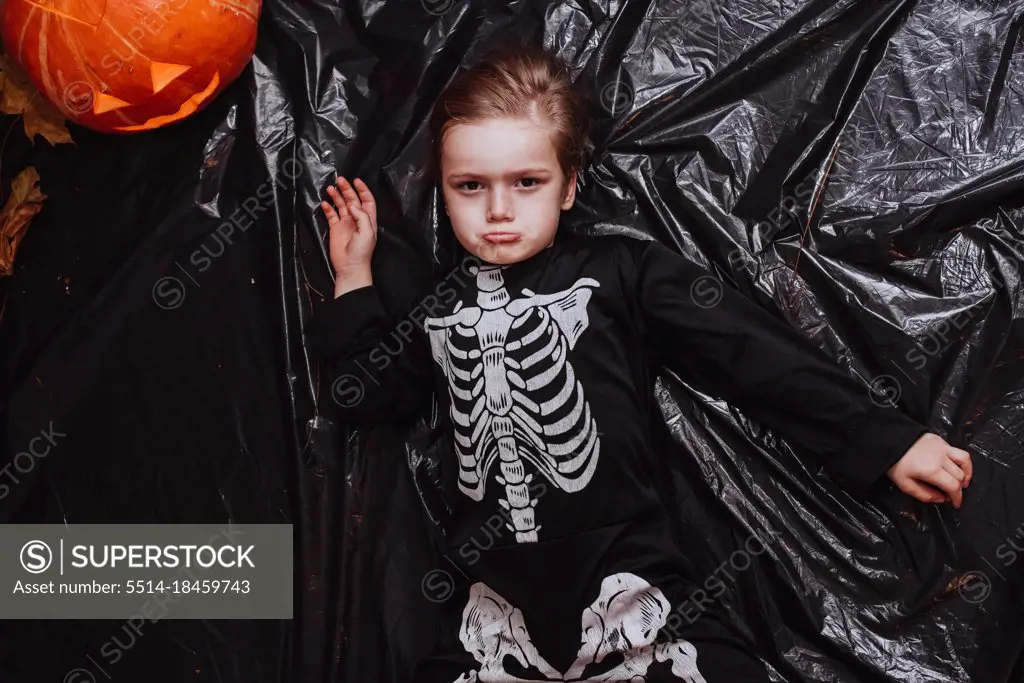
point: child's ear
(570, 192)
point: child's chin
(500, 254)
(503, 254)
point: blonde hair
(517, 82)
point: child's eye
(533, 182)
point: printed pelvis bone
(625, 618)
(514, 395)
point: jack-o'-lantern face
(87, 100)
(123, 65)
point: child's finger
(923, 493)
(963, 459)
(946, 482)
(366, 198)
(362, 220)
(329, 211)
(347, 191)
(339, 203)
(954, 470)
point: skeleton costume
(545, 369)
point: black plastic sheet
(856, 167)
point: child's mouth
(502, 237)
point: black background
(893, 125)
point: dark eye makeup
(463, 186)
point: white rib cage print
(514, 394)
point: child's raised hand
(353, 226)
(932, 464)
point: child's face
(503, 188)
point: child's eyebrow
(524, 171)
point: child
(542, 349)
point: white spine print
(514, 395)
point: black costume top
(545, 371)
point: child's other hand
(933, 471)
(353, 226)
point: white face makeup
(503, 188)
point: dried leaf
(15, 88)
(42, 118)
(19, 96)
(25, 201)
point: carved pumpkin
(130, 65)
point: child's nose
(500, 207)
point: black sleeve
(376, 368)
(736, 350)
